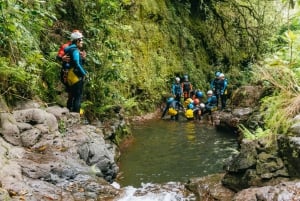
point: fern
(258, 134)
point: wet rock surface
(285, 191)
(210, 188)
(47, 154)
(257, 164)
(262, 170)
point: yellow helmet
(189, 114)
(172, 111)
(187, 102)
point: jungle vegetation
(136, 48)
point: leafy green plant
(16, 82)
(62, 128)
(279, 72)
(257, 134)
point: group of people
(72, 57)
(72, 73)
(195, 105)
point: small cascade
(171, 191)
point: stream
(166, 153)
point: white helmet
(221, 75)
(76, 35)
(202, 105)
(209, 92)
(177, 79)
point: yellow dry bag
(189, 114)
(72, 77)
(172, 112)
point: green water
(165, 151)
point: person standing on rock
(176, 89)
(186, 87)
(65, 60)
(210, 105)
(221, 90)
(76, 74)
(213, 83)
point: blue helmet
(218, 73)
(190, 106)
(170, 100)
(199, 94)
(186, 77)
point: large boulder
(257, 164)
(289, 148)
(246, 96)
(241, 107)
(286, 191)
(210, 188)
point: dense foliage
(136, 48)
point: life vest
(177, 89)
(186, 87)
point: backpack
(66, 66)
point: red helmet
(196, 101)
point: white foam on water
(155, 192)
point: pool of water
(174, 151)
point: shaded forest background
(136, 48)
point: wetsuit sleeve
(173, 89)
(76, 58)
(224, 86)
(212, 84)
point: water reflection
(166, 151)
(190, 131)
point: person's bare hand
(66, 58)
(83, 54)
